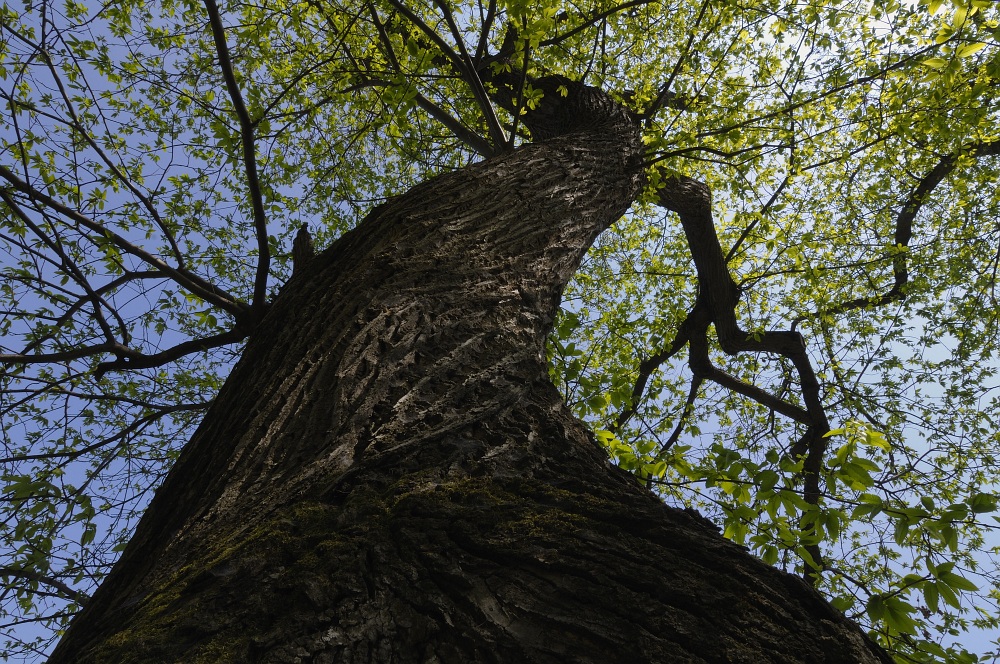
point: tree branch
(484, 29)
(696, 382)
(593, 19)
(463, 133)
(719, 294)
(665, 95)
(133, 427)
(198, 286)
(69, 267)
(907, 214)
(131, 360)
(74, 354)
(29, 575)
(249, 155)
(475, 82)
(648, 366)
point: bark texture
(390, 476)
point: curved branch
(691, 200)
(249, 154)
(719, 295)
(696, 382)
(907, 214)
(131, 360)
(651, 364)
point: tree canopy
(817, 172)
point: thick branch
(691, 200)
(719, 294)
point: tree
(388, 470)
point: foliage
(156, 158)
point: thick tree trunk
(390, 476)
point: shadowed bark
(390, 476)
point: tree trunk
(390, 476)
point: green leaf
(843, 603)
(931, 595)
(957, 582)
(875, 608)
(965, 50)
(898, 616)
(981, 503)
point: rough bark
(390, 476)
